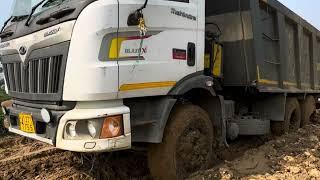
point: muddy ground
(21, 158)
(292, 156)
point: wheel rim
(193, 149)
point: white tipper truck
(178, 77)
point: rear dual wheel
(308, 107)
(186, 146)
(296, 115)
(292, 119)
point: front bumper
(98, 145)
(81, 112)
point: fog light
(46, 115)
(71, 129)
(112, 127)
(89, 145)
(92, 129)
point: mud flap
(216, 110)
(149, 117)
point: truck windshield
(23, 7)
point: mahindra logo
(51, 32)
(23, 50)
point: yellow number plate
(26, 123)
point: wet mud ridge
(22, 158)
(292, 156)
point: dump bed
(267, 45)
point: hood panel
(44, 38)
(20, 29)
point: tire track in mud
(22, 158)
(48, 151)
(28, 159)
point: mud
(292, 156)
(21, 158)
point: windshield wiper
(12, 19)
(19, 18)
(5, 23)
(6, 34)
(33, 10)
(56, 15)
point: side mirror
(133, 19)
(213, 31)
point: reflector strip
(179, 54)
(138, 86)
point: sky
(307, 9)
(5, 10)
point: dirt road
(293, 156)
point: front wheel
(186, 146)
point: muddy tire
(292, 119)
(186, 146)
(308, 107)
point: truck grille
(37, 76)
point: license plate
(26, 123)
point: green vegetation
(3, 97)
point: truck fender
(194, 81)
(149, 117)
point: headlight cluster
(109, 127)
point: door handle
(191, 60)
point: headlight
(46, 115)
(71, 129)
(83, 129)
(92, 129)
(101, 128)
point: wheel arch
(194, 81)
(200, 90)
(191, 89)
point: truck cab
(76, 61)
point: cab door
(151, 65)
